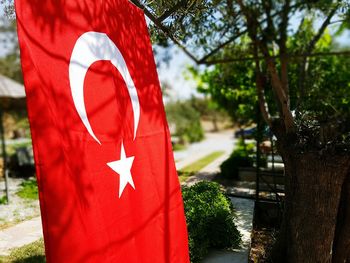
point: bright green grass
(29, 190)
(183, 176)
(3, 200)
(31, 253)
(179, 147)
(196, 166)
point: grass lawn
(3, 200)
(179, 147)
(196, 166)
(29, 190)
(31, 253)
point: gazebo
(12, 97)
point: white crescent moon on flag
(89, 48)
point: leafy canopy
(285, 54)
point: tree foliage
(10, 65)
(232, 88)
(324, 100)
(277, 45)
(186, 119)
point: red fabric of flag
(108, 186)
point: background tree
(10, 65)
(317, 167)
(232, 88)
(210, 110)
(186, 119)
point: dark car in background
(21, 163)
(248, 133)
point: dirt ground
(19, 209)
(261, 245)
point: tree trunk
(215, 122)
(313, 190)
(341, 245)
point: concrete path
(222, 141)
(244, 210)
(19, 209)
(20, 235)
(207, 173)
(214, 167)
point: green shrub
(240, 157)
(210, 219)
(28, 190)
(3, 200)
(179, 147)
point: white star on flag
(123, 168)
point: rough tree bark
(314, 180)
(317, 189)
(341, 245)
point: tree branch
(260, 83)
(289, 57)
(218, 48)
(172, 10)
(309, 48)
(321, 30)
(204, 60)
(165, 30)
(269, 33)
(260, 88)
(283, 49)
(281, 97)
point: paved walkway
(20, 235)
(19, 209)
(208, 172)
(244, 210)
(222, 141)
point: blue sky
(173, 74)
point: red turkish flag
(108, 186)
